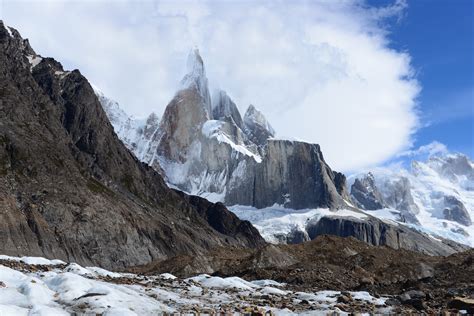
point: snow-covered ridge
(434, 196)
(212, 129)
(57, 288)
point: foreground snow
(57, 288)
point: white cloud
(432, 149)
(321, 71)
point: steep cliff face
(212, 152)
(292, 174)
(69, 188)
(378, 233)
(365, 193)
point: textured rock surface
(365, 193)
(257, 126)
(397, 195)
(456, 211)
(224, 109)
(400, 198)
(293, 174)
(218, 155)
(436, 194)
(414, 280)
(69, 188)
(376, 232)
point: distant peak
(254, 119)
(196, 77)
(194, 62)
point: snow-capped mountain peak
(223, 108)
(257, 126)
(436, 195)
(195, 78)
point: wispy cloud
(429, 150)
(321, 70)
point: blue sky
(365, 80)
(439, 36)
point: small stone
(367, 281)
(344, 299)
(2, 284)
(462, 303)
(392, 302)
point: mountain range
(203, 146)
(83, 182)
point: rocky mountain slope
(69, 188)
(206, 148)
(203, 146)
(436, 195)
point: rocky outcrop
(365, 193)
(454, 210)
(376, 232)
(257, 126)
(69, 188)
(293, 174)
(400, 198)
(224, 109)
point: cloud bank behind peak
(321, 71)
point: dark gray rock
(376, 232)
(295, 236)
(69, 188)
(454, 210)
(365, 193)
(293, 174)
(224, 109)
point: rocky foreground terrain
(328, 274)
(411, 280)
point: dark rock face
(378, 233)
(456, 211)
(365, 193)
(69, 188)
(397, 195)
(224, 109)
(293, 174)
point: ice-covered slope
(436, 195)
(137, 134)
(37, 286)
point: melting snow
(34, 60)
(65, 290)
